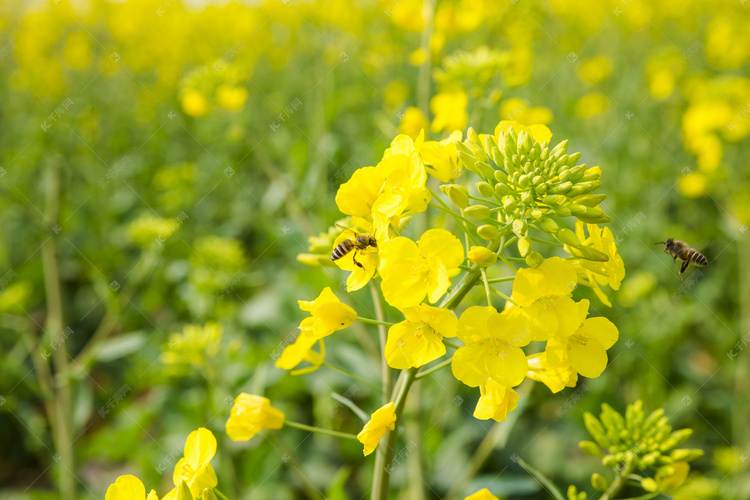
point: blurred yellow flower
(556, 377)
(483, 494)
(594, 70)
(195, 104)
(195, 467)
(419, 339)
(383, 420)
(449, 109)
(14, 298)
(394, 94)
(493, 348)
(149, 228)
(413, 122)
(411, 271)
(693, 185)
(78, 50)
(129, 487)
(195, 346)
(592, 104)
(231, 97)
(251, 414)
(495, 401)
(521, 111)
(540, 133)
(328, 314)
(586, 348)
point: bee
(681, 250)
(359, 242)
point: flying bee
(681, 250)
(359, 242)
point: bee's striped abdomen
(342, 249)
(698, 258)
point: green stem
(385, 370)
(486, 286)
(500, 280)
(222, 495)
(374, 321)
(459, 218)
(551, 243)
(439, 366)
(501, 294)
(543, 480)
(55, 323)
(618, 483)
(354, 376)
(320, 430)
(507, 262)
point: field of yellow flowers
(386, 249)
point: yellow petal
(600, 329)
(483, 494)
(469, 363)
(356, 196)
(200, 447)
(412, 345)
(495, 402)
(507, 365)
(441, 246)
(331, 317)
(589, 358)
(473, 325)
(126, 487)
(381, 421)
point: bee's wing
(703, 245)
(344, 228)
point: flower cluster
(637, 442)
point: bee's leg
(674, 259)
(354, 258)
(685, 264)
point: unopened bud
(477, 211)
(488, 232)
(524, 246)
(510, 204)
(549, 225)
(598, 481)
(561, 211)
(482, 256)
(501, 176)
(534, 259)
(590, 200)
(648, 484)
(504, 189)
(520, 227)
(568, 237)
(527, 197)
(459, 195)
(590, 448)
(485, 189)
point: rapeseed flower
(586, 347)
(328, 315)
(251, 414)
(441, 158)
(555, 377)
(483, 494)
(493, 347)
(129, 487)
(449, 109)
(595, 274)
(301, 350)
(419, 339)
(496, 401)
(194, 468)
(368, 259)
(383, 420)
(411, 271)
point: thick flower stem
(618, 483)
(319, 430)
(385, 370)
(382, 474)
(373, 321)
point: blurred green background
(164, 162)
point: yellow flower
(449, 109)
(419, 339)
(540, 133)
(594, 70)
(195, 467)
(251, 414)
(193, 347)
(441, 158)
(195, 104)
(301, 350)
(495, 402)
(231, 97)
(523, 112)
(672, 476)
(368, 258)
(543, 293)
(593, 274)
(592, 104)
(586, 348)
(555, 377)
(328, 314)
(411, 271)
(383, 420)
(493, 347)
(356, 196)
(694, 185)
(413, 122)
(483, 494)
(129, 488)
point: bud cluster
(526, 184)
(636, 441)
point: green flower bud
(524, 142)
(488, 232)
(585, 188)
(610, 461)
(561, 148)
(501, 176)
(598, 481)
(577, 173)
(477, 211)
(566, 176)
(576, 209)
(484, 169)
(548, 225)
(561, 211)
(562, 160)
(590, 200)
(676, 438)
(591, 176)
(520, 227)
(467, 159)
(527, 197)
(592, 254)
(650, 459)
(541, 189)
(652, 419)
(554, 199)
(590, 448)
(562, 188)
(692, 454)
(497, 157)
(485, 189)
(510, 204)
(524, 180)
(508, 153)
(634, 417)
(504, 189)
(536, 180)
(489, 143)
(524, 246)
(596, 430)
(572, 159)
(459, 195)
(482, 256)
(649, 484)
(568, 237)
(603, 219)
(536, 214)
(534, 259)
(473, 136)
(680, 454)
